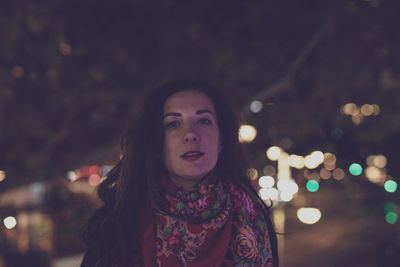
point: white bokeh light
(285, 196)
(256, 106)
(266, 181)
(247, 133)
(72, 176)
(272, 193)
(288, 186)
(296, 161)
(309, 215)
(10, 222)
(313, 160)
(269, 193)
(273, 153)
(263, 193)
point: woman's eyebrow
(175, 114)
(201, 111)
(198, 112)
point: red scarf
(211, 224)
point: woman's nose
(191, 137)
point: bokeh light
(10, 222)
(390, 186)
(309, 163)
(309, 215)
(329, 167)
(391, 217)
(86, 171)
(269, 170)
(313, 160)
(357, 119)
(325, 174)
(252, 173)
(355, 169)
(72, 176)
(367, 110)
(312, 185)
(349, 109)
(318, 156)
(266, 181)
(263, 193)
(285, 196)
(2, 175)
(247, 133)
(370, 160)
(359, 113)
(374, 174)
(268, 193)
(256, 106)
(377, 109)
(94, 169)
(380, 161)
(329, 158)
(288, 186)
(338, 174)
(273, 153)
(296, 161)
(272, 193)
(94, 179)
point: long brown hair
(113, 232)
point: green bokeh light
(390, 186)
(355, 169)
(312, 185)
(391, 217)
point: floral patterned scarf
(210, 224)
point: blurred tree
(74, 72)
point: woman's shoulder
(89, 259)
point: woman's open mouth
(192, 155)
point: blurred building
(41, 221)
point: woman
(180, 196)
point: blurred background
(315, 83)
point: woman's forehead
(188, 101)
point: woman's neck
(183, 182)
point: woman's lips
(192, 155)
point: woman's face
(192, 140)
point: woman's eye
(172, 124)
(205, 121)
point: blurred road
(72, 261)
(343, 237)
